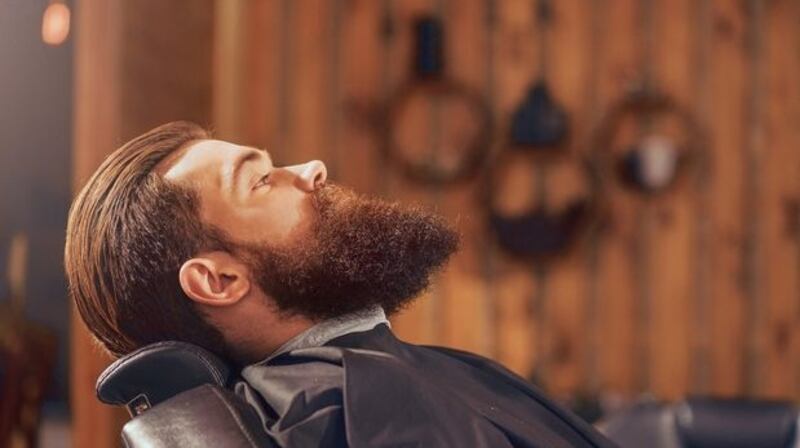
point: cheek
(280, 219)
(276, 217)
(297, 219)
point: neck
(265, 338)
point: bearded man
(178, 236)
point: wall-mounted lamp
(55, 23)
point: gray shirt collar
(328, 330)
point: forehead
(198, 158)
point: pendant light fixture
(55, 23)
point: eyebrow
(249, 156)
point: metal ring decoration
(473, 155)
(540, 235)
(651, 105)
(429, 81)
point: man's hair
(129, 231)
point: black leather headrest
(712, 423)
(157, 372)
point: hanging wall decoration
(663, 143)
(539, 136)
(456, 117)
(539, 123)
(646, 144)
(539, 127)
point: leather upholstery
(205, 416)
(736, 423)
(176, 395)
(157, 372)
(706, 423)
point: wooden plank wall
(135, 69)
(96, 131)
(695, 291)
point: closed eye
(262, 182)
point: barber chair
(706, 423)
(178, 396)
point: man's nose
(310, 175)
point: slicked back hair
(128, 233)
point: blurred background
(625, 174)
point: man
(181, 237)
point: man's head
(181, 237)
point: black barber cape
(369, 389)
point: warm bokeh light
(55, 24)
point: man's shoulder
(381, 367)
(382, 387)
(381, 339)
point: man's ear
(215, 279)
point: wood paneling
(97, 126)
(697, 290)
(515, 286)
(779, 194)
(422, 321)
(363, 69)
(618, 288)
(671, 281)
(464, 293)
(568, 65)
(726, 126)
(138, 64)
(694, 290)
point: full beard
(361, 253)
